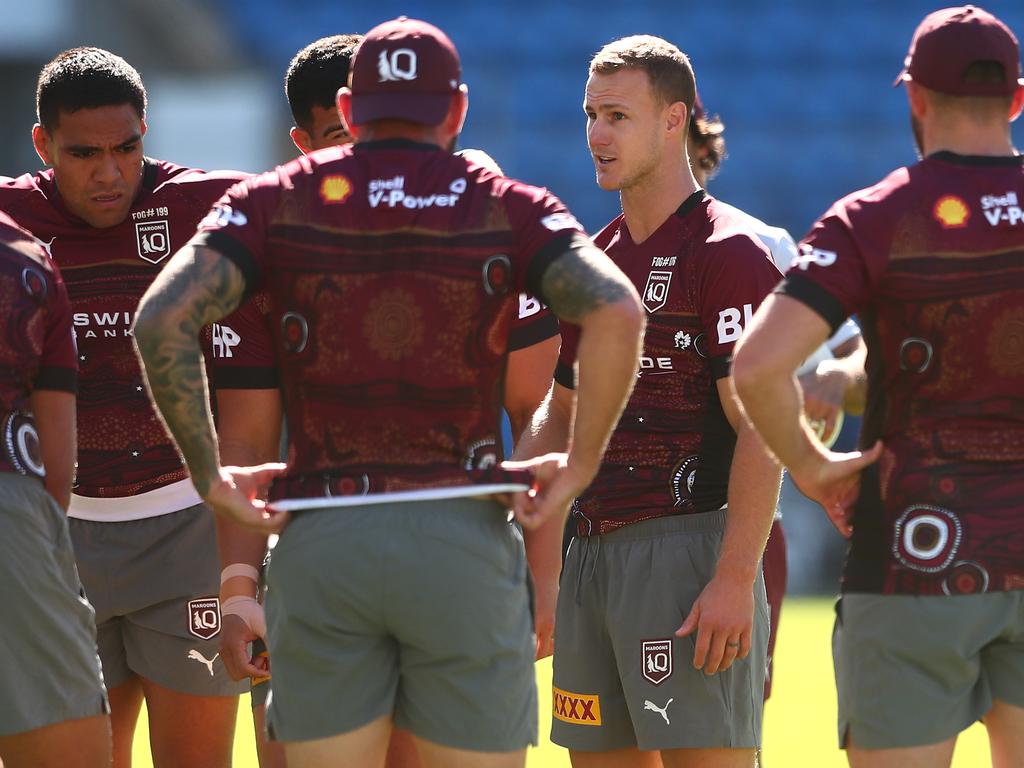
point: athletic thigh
(588, 707)
(913, 670)
(50, 672)
(673, 705)
(459, 608)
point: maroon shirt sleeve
(58, 364)
(242, 348)
(543, 229)
(736, 274)
(831, 274)
(237, 226)
(534, 323)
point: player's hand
(723, 618)
(238, 496)
(545, 595)
(824, 393)
(556, 484)
(835, 483)
(235, 636)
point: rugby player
(827, 383)
(53, 706)
(662, 587)
(929, 631)
(398, 592)
(144, 543)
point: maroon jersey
(123, 448)
(38, 347)
(700, 276)
(932, 261)
(393, 271)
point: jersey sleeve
(831, 275)
(58, 364)
(238, 223)
(543, 229)
(242, 349)
(534, 323)
(737, 274)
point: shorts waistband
(695, 522)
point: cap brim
(423, 108)
(901, 78)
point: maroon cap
(404, 69)
(948, 41)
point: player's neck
(647, 204)
(970, 139)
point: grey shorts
(419, 610)
(621, 678)
(913, 670)
(49, 670)
(155, 585)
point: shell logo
(335, 189)
(952, 212)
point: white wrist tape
(248, 610)
(240, 569)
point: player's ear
(917, 98)
(1017, 104)
(41, 140)
(301, 139)
(344, 102)
(456, 117)
(142, 126)
(675, 117)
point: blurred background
(804, 88)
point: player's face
(623, 127)
(327, 129)
(96, 156)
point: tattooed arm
(585, 287)
(198, 286)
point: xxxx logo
(576, 708)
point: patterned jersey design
(123, 448)
(700, 277)
(932, 261)
(38, 349)
(393, 271)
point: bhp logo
(576, 708)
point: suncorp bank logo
(391, 193)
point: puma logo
(194, 654)
(652, 707)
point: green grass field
(800, 720)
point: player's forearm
(773, 402)
(197, 287)
(608, 355)
(547, 430)
(754, 481)
(54, 414)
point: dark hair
(316, 73)
(667, 68)
(707, 133)
(86, 78)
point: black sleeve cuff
(539, 330)
(721, 367)
(236, 253)
(565, 375)
(807, 291)
(553, 251)
(245, 377)
(59, 379)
